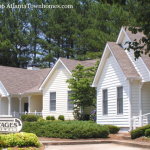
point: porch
(143, 107)
(15, 106)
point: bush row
(29, 118)
(19, 140)
(60, 117)
(66, 129)
(32, 118)
(141, 131)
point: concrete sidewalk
(83, 142)
(107, 146)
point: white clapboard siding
(57, 83)
(146, 98)
(135, 98)
(112, 77)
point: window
(119, 100)
(52, 101)
(70, 104)
(105, 102)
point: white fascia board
(119, 36)
(122, 31)
(98, 72)
(51, 72)
(4, 89)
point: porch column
(140, 105)
(29, 103)
(9, 105)
(20, 105)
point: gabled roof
(121, 58)
(132, 37)
(23, 81)
(19, 81)
(70, 65)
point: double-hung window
(120, 100)
(52, 101)
(70, 101)
(105, 102)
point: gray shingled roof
(138, 36)
(71, 64)
(17, 80)
(123, 60)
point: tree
(139, 9)
(83, 94)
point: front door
(26, 107)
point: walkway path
(92, 147)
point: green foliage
(23, 117)
(42, 35)
(50, 118)
(113, 129)
(19, 140)
(140, 11)
(139, 131)
(147, 132)
(61, 117)
(29, 118)
(66, 129)
(82, 93)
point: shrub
(48, 118)
(93, 115)
(41, 119)
(31, 118)
(23, 117)
(66, 129)
(139, 132)
(61, 117)
(52, 118)
(19, 139)
(113, 129)
(85, 117)
(147, 132)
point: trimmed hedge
(19, 140)
(139, 132)
(147, 133)
(29, 118)
(66, 129)
(50, 118)
(113, 129)
(61, 117)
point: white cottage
(123, 85)
(43, 92)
